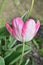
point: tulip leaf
(2, 62)
(12, 42)
(15, 54)
(41, 51)
(25, 61)
(41, 20)
(3, 32)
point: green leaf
(15, 54)
(0, 48)
(35, 43)
(2, 62)
(41, 51)
(19, 48)
(41, 20)
(25, 61)
(3, 32)
(12, 41)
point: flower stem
(22, 54)
(33, 61)
(28, 13)
(0, 48)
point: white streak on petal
(29, 30)
(17, 26)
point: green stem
(0, 48)
(36, 44)
(5, 44)
(22, 54)
(28, 13)
(32, 60)
(2, 6)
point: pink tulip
(23, 31)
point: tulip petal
(37, 27)
(10, 30)
(28, 30)
(17, 26)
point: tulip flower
(23, 31)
